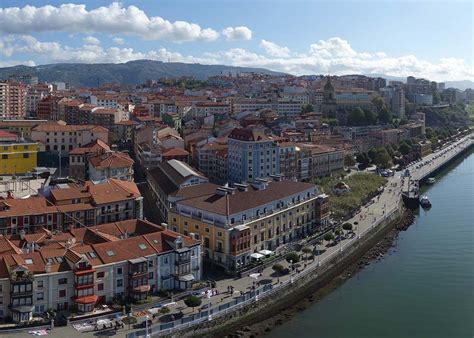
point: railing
(265, 291)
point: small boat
(425, 202)
(431, 180)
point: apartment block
(83, 268)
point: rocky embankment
(376, 253)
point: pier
(429, 166)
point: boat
(411, 197)
(431, 180)
(425, 202)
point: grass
(363, 187)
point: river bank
(302, 301)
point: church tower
(328, 107)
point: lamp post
(146, 326)
(317, 249)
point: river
(424, 287)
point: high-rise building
(12, 100)
(251, 155)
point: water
(425, 285)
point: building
(289, 108)
(167, 179)
(67, 206)
(211, 160)
(251, 155)
(201, 109)
(244, 104)
(287, 153)
(314, 161)
(47, 107)
(78, 158)
(421, 99)
(22, 127)
(111, 164)
(234, 223)
(83, 268)
(64, 138)
(395, 100)
(12, 100)
(18, 155)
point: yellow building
(17, 156)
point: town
(159, 206)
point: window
(62, 293)
(119, 271)
(100, 286)
(100, 274)
(142, 246)
(40, 296)
(4, 157)
(119, 283)
(62, 281)
(110, 253)
(28, 261)
(39, 284)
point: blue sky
(398, 38)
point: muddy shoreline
(376, 253)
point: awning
(141, 289)
(256, 255)
(86, 299)
(255, 275)
(186, 278)
(265, 252)
(23, 308)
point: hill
(132, 72)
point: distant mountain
(132, 72)
(463, 85)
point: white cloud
(118, 41)
(273, 49)
(91, 40)
(10, 63)
(334, 56)
(112, 19)
(237, 33)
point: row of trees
(367, 116)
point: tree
(382, 158)
(436, 97)
(349, 160)
(378, 102)
(357, 117)
(308, 108)
(306, 251)
(293, 257)
(192, 301)
(363, 159)
(404, 148)
(370, 116)
(164, 310)
(328, 237)
(347, 226)
(371, 153)
(278, 268)
(385, 115)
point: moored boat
(431, 180)
(425, 202)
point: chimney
(165, 226)
(22, 234)
(242, 186)
(47, 267)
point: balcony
(181, 261)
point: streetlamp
(146, 326)
(208, 293)
(317, 249)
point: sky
(431, 39)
